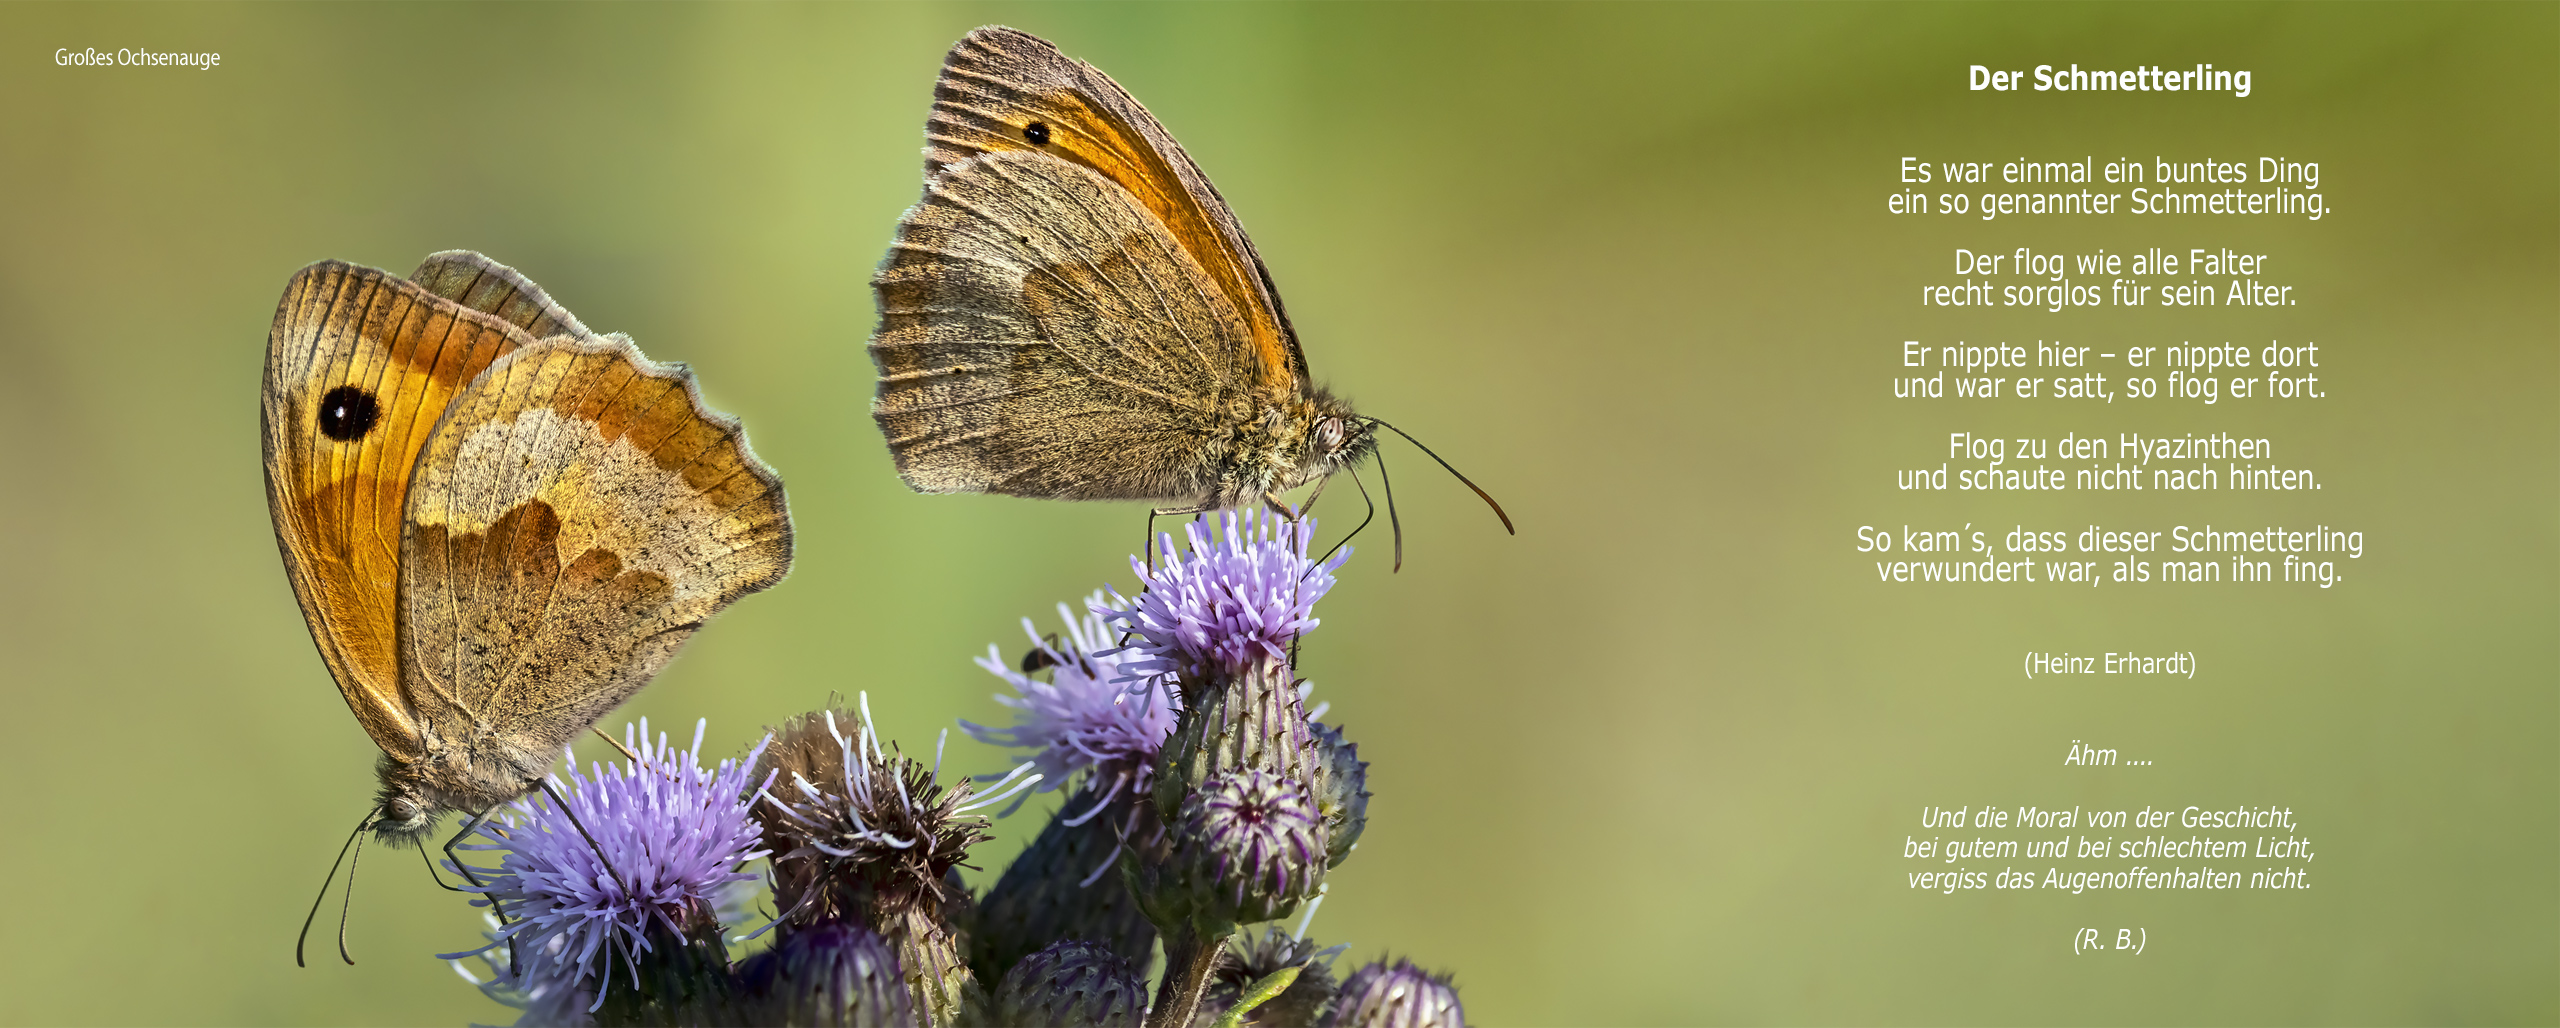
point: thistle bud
(1253, 718)
(1249, 845)
(1399, 996)
(833, 975)
(1072, 984)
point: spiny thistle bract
(1199, 798)
(1342, 791)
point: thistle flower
(863, 833)
(1244, 591)
(837, 975)
(1072, 984)
(633, 864)
(1083, 728)
(545, 1004)
(1399, 996)
(1084, 721)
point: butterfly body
(496, 537)
(1072, 312)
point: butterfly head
(1336, 438)
(403, 811)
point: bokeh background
(1649, 762)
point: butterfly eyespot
(347, 413)
(1037, 132)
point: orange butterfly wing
(360, 366)
(484, 285)
(1001, 89)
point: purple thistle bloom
(1084, 719)
(546, 1004)
(674, 832)
(1242, 593)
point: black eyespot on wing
(347, 413)
(1037, 132)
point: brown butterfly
(499, 524)
(1073, 313)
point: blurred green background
(1651, 761)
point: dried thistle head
(859, 828)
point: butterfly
(1072, 312)
(500, 525)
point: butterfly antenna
(347, 899)
(1389, 485)
(1417, 444)
(324, 893)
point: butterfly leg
(1309, 507)
(421, 841)
(514, 968)
(1166, 512)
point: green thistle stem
(1190, 954)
